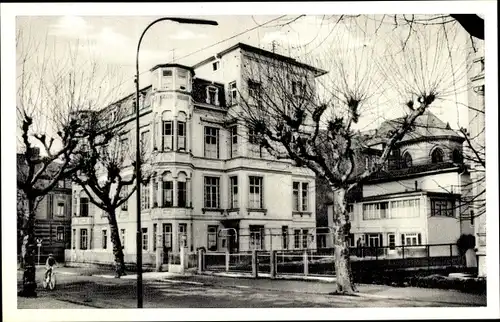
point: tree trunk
(117, 245)
(345, 282)
(29, 244)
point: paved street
(89, 288)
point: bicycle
(50, 281)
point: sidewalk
(324, 286)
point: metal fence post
(428, 257)
(306, 264)
(451, 255)
(272, 263)
(255, 273)
(200, 261)
(227, 259)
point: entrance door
(167, 241)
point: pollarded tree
(288, 116)
(106, 170)
(51, 90)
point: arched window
(457, 156)
(437, 155)
(407, 160)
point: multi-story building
(210, 179)
(416, 199)
(476, 149)
(52, 217)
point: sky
(111, 41)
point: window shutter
(420, 239)
(402, 239)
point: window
(212, 238)
(212, 95)
(392, 241)
(298, 88)
(437, 155)
(296, 196)
(211, 142)
(442, 207)
(350, 240)
(233, 93)
(75, 201)
(234, 192)
(145, 239)
(145, 140)
(181, 136)
(155, 192)
(155, 235)
(305, 236)
(168, 194)
(296, 238)
(167, 236)
(211, 192)
(124, 193)
(181, 194)
(60, 209)
(256, 237)
(215, 65)
(60, 233)
(84, 207)
(234, 141)
(255, 198)
(411, 239)
(253, 136)
(73, 240)
(166, 79)
(145, 195)
(167, 136)
(254, 92)
(84, 239)
(407, 160)
(182, 79)
(374, 240)
(472, 217)
(284, 236)
(104, 239)
(304, 196)
(122, 237)
(123, 146)
(182, 232)
(377, 210)
(405, 208)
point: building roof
(173, 65)
(263, 52)
(415, 171)
(427, 126)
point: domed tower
(171, 107)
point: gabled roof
(263, 52)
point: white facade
(207, 179)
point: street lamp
(137, 156)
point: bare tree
(50, 90)
(287, 114)
(106, 171)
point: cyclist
(51, 261)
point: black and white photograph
(252, 155)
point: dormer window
(215, 65)
(407, 160)
(212, 95)
(437, 156)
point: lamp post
(137, 156)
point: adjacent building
(212, 187)
(417, 198)
(52, 218)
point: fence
(320, 262)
